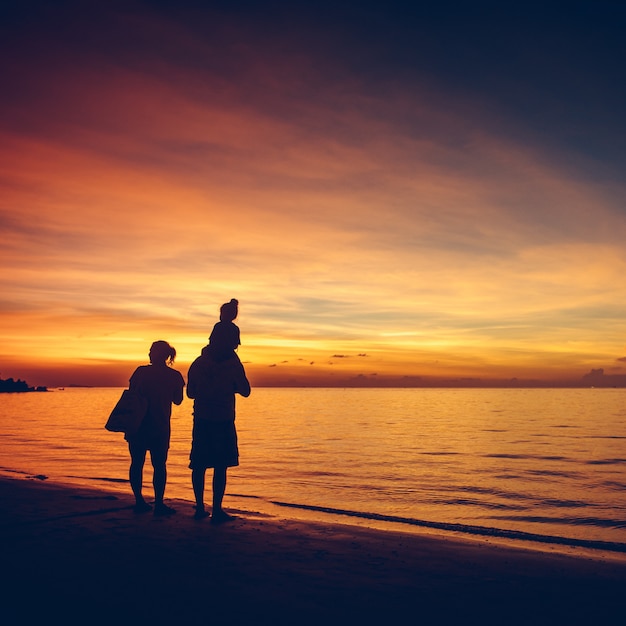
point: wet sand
(72, 555)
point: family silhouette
(213, 380)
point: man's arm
(191, 381)
(242, 385)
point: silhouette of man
(213, 380)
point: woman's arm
(134, 384)
(178, 392)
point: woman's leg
(135, 474)
(159, 477)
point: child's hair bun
(229, 310)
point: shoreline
(595, 549)
(82, 555)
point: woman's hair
(163, 351)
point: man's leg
(197, 480)
(219, 488)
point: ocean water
(543, 466)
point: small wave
(566, 504)
(12, 471)
(509, 495)
(607, 462)
(614, 484)
(322, 474)
(442, 453)
(544, 472)
(489, 491)
(484, 531)
(22, 473)
(568, 521)
(106, 479)
(525, 456)
(520, 499)
(479, 503)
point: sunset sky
(395, 195)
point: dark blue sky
(553, 71)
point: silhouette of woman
(161, 385)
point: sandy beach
(73, 555)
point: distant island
(17, 386)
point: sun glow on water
(548, 462)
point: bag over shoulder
(128, 413)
